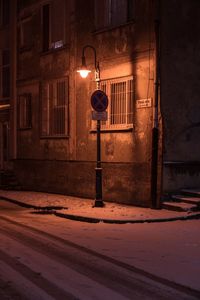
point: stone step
(186, 199)
(179, 206)
(191, 192)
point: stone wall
(123, 183)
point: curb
(112, 221)
(52, 210)
(23, 204)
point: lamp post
(84, 71)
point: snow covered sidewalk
(83, 210)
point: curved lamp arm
(84, 71)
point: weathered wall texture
(121, 51)
(67, 165)
(34, 67)
(180, 90)
(120, 181)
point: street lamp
(84, 71)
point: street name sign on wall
(143, 103)
(99, 101)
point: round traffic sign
(99, 101)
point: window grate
(55, 108)
(120, 92)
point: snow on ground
(84, 207)
(170, 249)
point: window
(5, 73)
(54, 113)
(21, 4)
(4, 12)
(26, 33)
(53, 25)
(113, 12)
(45, 28)
(120, 94)
(24, 111)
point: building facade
(147, 139)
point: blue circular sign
(99, 101)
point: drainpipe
(155, 130)
(13, 43)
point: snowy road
(36, 264)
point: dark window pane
(130, 10)
(23, 3)
(5, 12)
(5, 57)
(57, 21)
(24, 112)
(6, 82)
(45, 29)
(118, 12)
(102, 14)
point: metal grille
(120, 93)
(55, 108)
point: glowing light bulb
(83, 72)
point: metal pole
(98, 199)
(98, 169)
(155, 129)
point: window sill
(112, 27)
(54, 137)
(53, 50)
(25, 128)
(25, 49)
(116, 129)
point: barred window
(120, 94)
(54, 112)
(24, 111)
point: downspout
(155, 129)
(13, 43)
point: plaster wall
(68, 165)
(121, 51)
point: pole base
(98, 203)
